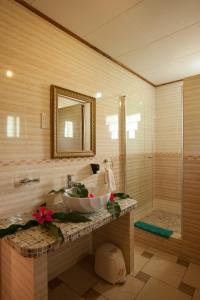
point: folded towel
(110, 180)
(154, 229)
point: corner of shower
(153, 178)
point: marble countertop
(36, 241)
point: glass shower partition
(139, 154)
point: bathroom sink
(85, 205)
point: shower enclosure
(154, 156)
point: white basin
(85, 205)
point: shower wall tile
(191, 179)
(168, 147)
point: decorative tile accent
(143, 276)
(93, 295)
(182, 262)
(37, 240)
(147, 254)
(186, 288)
(54, 283)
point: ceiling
(158, 39)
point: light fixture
(98, 95)
(9, 73)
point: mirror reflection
(73, 123)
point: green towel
(154, 229)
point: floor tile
(54, 283)
(143, 276)
(164, 219)
(162, 254)
(169, 272)
(196, 295)
(183, 262)
(93, 295)
(88, 264)
(79, 279)
(62, 292)
(157, 290)
(187, 289)
(147, 254)
(126, 291)
(139, 262)
(139, 248)
(192, 276)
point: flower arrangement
(48, 219)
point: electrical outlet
(44, 121)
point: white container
(110, 264)
(85, 205)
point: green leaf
(114, 209)
(15, 227)
(79, 191)
(73, 217)
(54, 230)
(121, 195)
(57, 191)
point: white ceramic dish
(85, 205)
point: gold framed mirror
(73, 124)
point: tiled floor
(165, 219)
(157, 275)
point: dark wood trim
(55, 91)
(48, 19)
(162, 84)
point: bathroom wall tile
(169, 272)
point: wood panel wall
(39, 54)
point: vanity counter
(37, 241)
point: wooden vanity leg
(22, 278)
(120, 233)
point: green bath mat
(154, 229)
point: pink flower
(43, 215)
(112, 197)
(90, 195)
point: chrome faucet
(69, 182)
